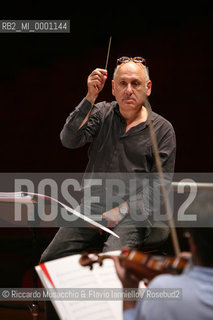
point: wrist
(123, 209)
(91, 98)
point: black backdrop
(43, 77)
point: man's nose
(129, 89)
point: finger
(106, 215)
(120, 270)
(118, 266)
(110, 224)
(100, 71)
(186, 255)
(96, 85)
(100, 79)
(96, 82)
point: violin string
(163, 188)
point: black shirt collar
(116, 109)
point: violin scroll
(88, 259)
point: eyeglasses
(135, 59)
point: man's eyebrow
(131, 80)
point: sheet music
(68, 273)
(15, 195)
(19, 196)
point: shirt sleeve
(148, 198)
(130, 314)
(73, 137)
(157, 300)
(150, 308)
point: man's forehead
(130, 69)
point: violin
(142, 265)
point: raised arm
(78, 130)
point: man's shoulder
(160, 118)
(105, 107)
(101, 109)
(106, 104)
(168, 281)
(160, 121)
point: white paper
(68, 273)
(29, 195)
(14, 195)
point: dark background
(43, 77)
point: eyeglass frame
(141, 60)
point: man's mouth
(128, 99)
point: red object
(43, 267)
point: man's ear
(149, 88)
(113, 87)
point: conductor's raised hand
(95, 84)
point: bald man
(119, 145)
(120, 159)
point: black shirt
(114, 150)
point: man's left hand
(113, 217)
